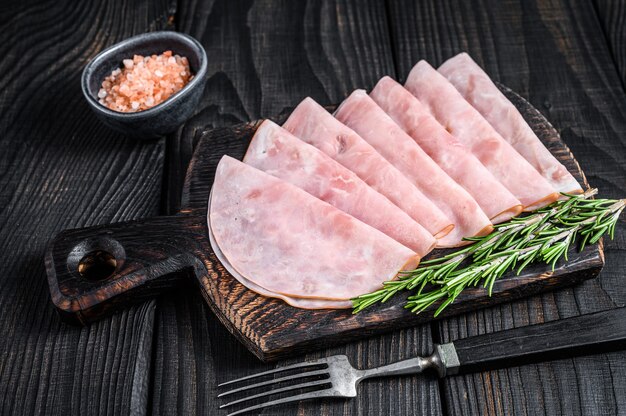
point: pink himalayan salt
(144, 82)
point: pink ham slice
(297, 302)
(286, 241)
(276, 151)
(480, 91)
(313, 124)
(465, 123)
(455, 159)
(316, 126)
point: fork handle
(592, 333)
(399, 368)
(440, 360)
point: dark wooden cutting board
(95, 271)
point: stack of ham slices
(328, 206)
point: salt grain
(144, 82)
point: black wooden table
(60, 168)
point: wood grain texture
(612, 15)
(151, 256)
(554, 53)
(268, 56)
(60, 168)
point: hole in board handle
(97, 265)
(96, 259)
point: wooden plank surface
(60, 168)
(267, 56)
(612, 15)
(555, 54)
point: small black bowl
(165, 117)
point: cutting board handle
(93, 272)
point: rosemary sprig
(546, 235)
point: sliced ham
(454, 158)
(480, 91)
(316, 126)
(276, 151)
(313, 124)
(297, 302)
(286, 241)
(465, 123)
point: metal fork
(338, 377)
(335, 377)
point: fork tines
(309, 369)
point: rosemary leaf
(546, 235)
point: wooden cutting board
(95, 271)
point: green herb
(545, 235)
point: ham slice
(478, 89)
(455, 159)
(316, 126)
(276, 151)
(313, 124)
(297, 302)
(288, 242)
(465, 123)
